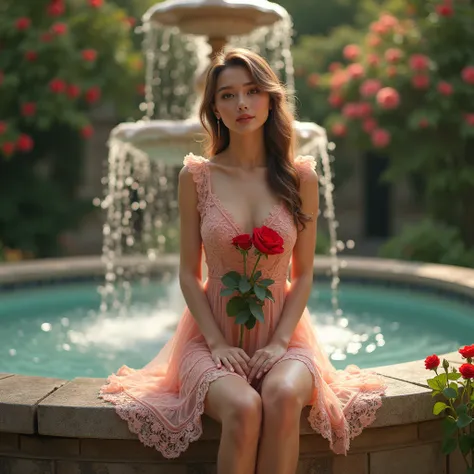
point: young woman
(257, 392)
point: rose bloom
(89, 54)
(423, 123)
(467, 351)
(87, 131)
(355, 70)
(92, 94)
(59, 29)
(369, 125)
(393, 55)
(351, 52)
(55, 9)
(8, 148)
(333, 67)
(380, 138)
(57, 86)
(23, 23)
(267, 241)
(338, 79)
(28, 109)
(467, 371)
(469, 118)
(3, 127)
(419, 62)
(420, 81)
(370, 87)
(24, 143)
(373, 40)
(392, 71)
(445, 88)
(379, 28)
(388, 20)
(73, 91)
(468, 74)
(335, 100)
(242, 241)
(373, 59)
(31, 56)
(432, 362)
(388, 98)
(339, 129)
(313, 80)
(444, 10)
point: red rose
(31, 55)
(96, 3)
(8, 148)
(59, 29)
(55, 9)
(87, 131)
(469, 118)
(89, 54)
(467, 351)
(23, 23)
(242, 241)
(432, 362)
(467, 371)
(467, 74)
(73, 91)
(380, 138)
(351, 52)
(267, 241)
(57, 86)
(3, 127)
(420, 81)
(419, 62)
(388, 98)
(339, 129)
(28, 109)
(92, 95)
(445, 88)
(444, 10)
(24, 143)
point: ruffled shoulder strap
(198, 167)
(305, 164)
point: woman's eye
(254, 91)
(226, 96)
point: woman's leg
(286, 390)
(237, 406)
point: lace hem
(360, 413)
(151, 431)
(305, 164)
(196, 165)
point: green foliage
(429, 241)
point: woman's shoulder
(306, 166)
(193, 161)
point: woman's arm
(302, 264)
(190, 277)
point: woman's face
(239, 102)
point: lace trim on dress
(151, 431)
(305, 164)
(197, 166)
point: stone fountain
(180, 39)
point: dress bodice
(218, 227)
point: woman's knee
(281, 395)
(244, 414)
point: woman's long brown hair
(283, 177)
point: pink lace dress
(163, 401)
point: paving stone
(204, 468)
(315, 466)
(9, 443)
(423, 459)
(71, 467)
(352, 463)
(76, 411)
(48, 446)
(19, 398)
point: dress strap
(305, 165)
(198, 167)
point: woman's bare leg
(286, 389)
(237, 406)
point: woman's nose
(242, 103)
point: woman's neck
(247, 151)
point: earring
(218, 128)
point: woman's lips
(245, 119)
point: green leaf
(244, 285)
(227, 291)
(435, 384)
(256, 310)
(231, 279)
(235, 305)
(260, 292)
(439, 407)
(466, 443)
(449, 445)
(251, 323)
(269, 295)
(461, 409)
(257, 275)
(243, 316)
(266, 282)
(464, 420)
(450, 393)
(454, 386)
(449, 426)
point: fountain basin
(59, 425)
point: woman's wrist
(280, 340)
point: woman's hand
(264, 359)
(233, 358)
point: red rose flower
(339, 129)
(46, 37)
(374, 40)
(313, 80)
(420, 81)
(267, 241)
(388, 98)
(351, 52)
(8, 148)
(393, 55)
(444, 10)
(467, 74)
(87, 131)
(370, 87)
(423, 123)
(96, 3)
(89, 54)
(467, 351)
(59, 29)
(24, 143)
(419, 62)
(469, 118)
(3, 127)
(28, 109)
(445, 88)
(55, 9)
(31, 56)
(333, 67)
(335, 100)
(242, 241)
(57, 86)
(467, 371)
(373, 59)
(369, 125)
(23, 23)
(380, 138)
(92, 95)
(73, 91)
(356, 70)
(432, 362)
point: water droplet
(46, 327)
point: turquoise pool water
(58, 331)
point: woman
(256, 392)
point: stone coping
(71, 408)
